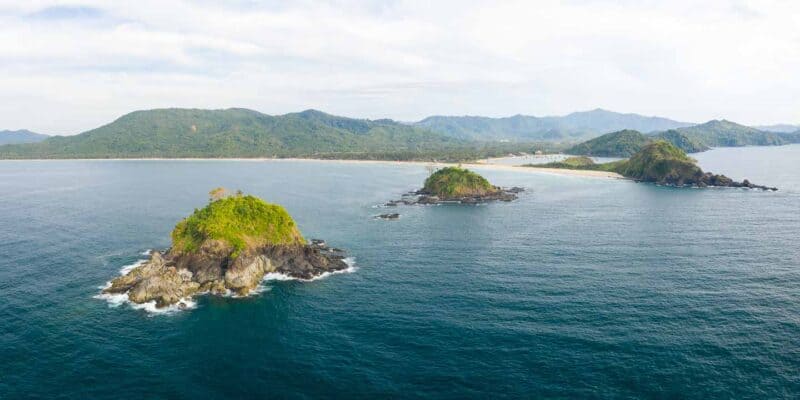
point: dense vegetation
(173, 133)
(238, 220)
(451, 182)
(575, 126)
(232, 133)
(659, 162)
(691, 139)
(616, 144)
(20, 136)
(722, 133)
(682, 141)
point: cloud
(70, 66)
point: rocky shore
(424, 197)
(174, 275)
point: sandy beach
(481, 165)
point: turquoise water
(581, 288)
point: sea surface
(583, 288)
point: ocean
(582, 288)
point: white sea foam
(115, 300)
(351, 267)
(128, 268)
(147, 252)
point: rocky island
(659, 162)
(456, 185)
(227, 247)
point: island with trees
(457, 185)
(227, 247)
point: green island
(455, 185)
(452, 182)
(659, 162)
(227, 247)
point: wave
(277, 276)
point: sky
(70, 66)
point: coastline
(481, 164)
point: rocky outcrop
(423, 197)
(388, 216)
(216, 268)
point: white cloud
(70, 66)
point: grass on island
(453, 182)
(577, 162)
(238, 220)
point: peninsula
(227, 247)
(659, 162)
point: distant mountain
(233, 133)
(682, 141)
(627, 142)
(722, 133)
(20, 136)
(782, 128)
(578, 125)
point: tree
(218, 194)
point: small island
(457, 185)
(658, 162)
(227, 247)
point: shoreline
(481, 164)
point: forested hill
(574, 126)
(235, 132)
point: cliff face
(228, 246)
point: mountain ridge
(576, 125)
(20, 136)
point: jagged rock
(246, 272)
(389, 216)
(425, 199)
(215, 269)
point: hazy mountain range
(20, 136)
(238, 132)
(691, 139)
(578, 125)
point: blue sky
(66, 67)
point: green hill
(722, 133)
(577, 125)
(452, 182)
(235, 132)
(682, 141)
(616, 144)
(660, 162)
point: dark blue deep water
(584, 288)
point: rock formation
(226, 255)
